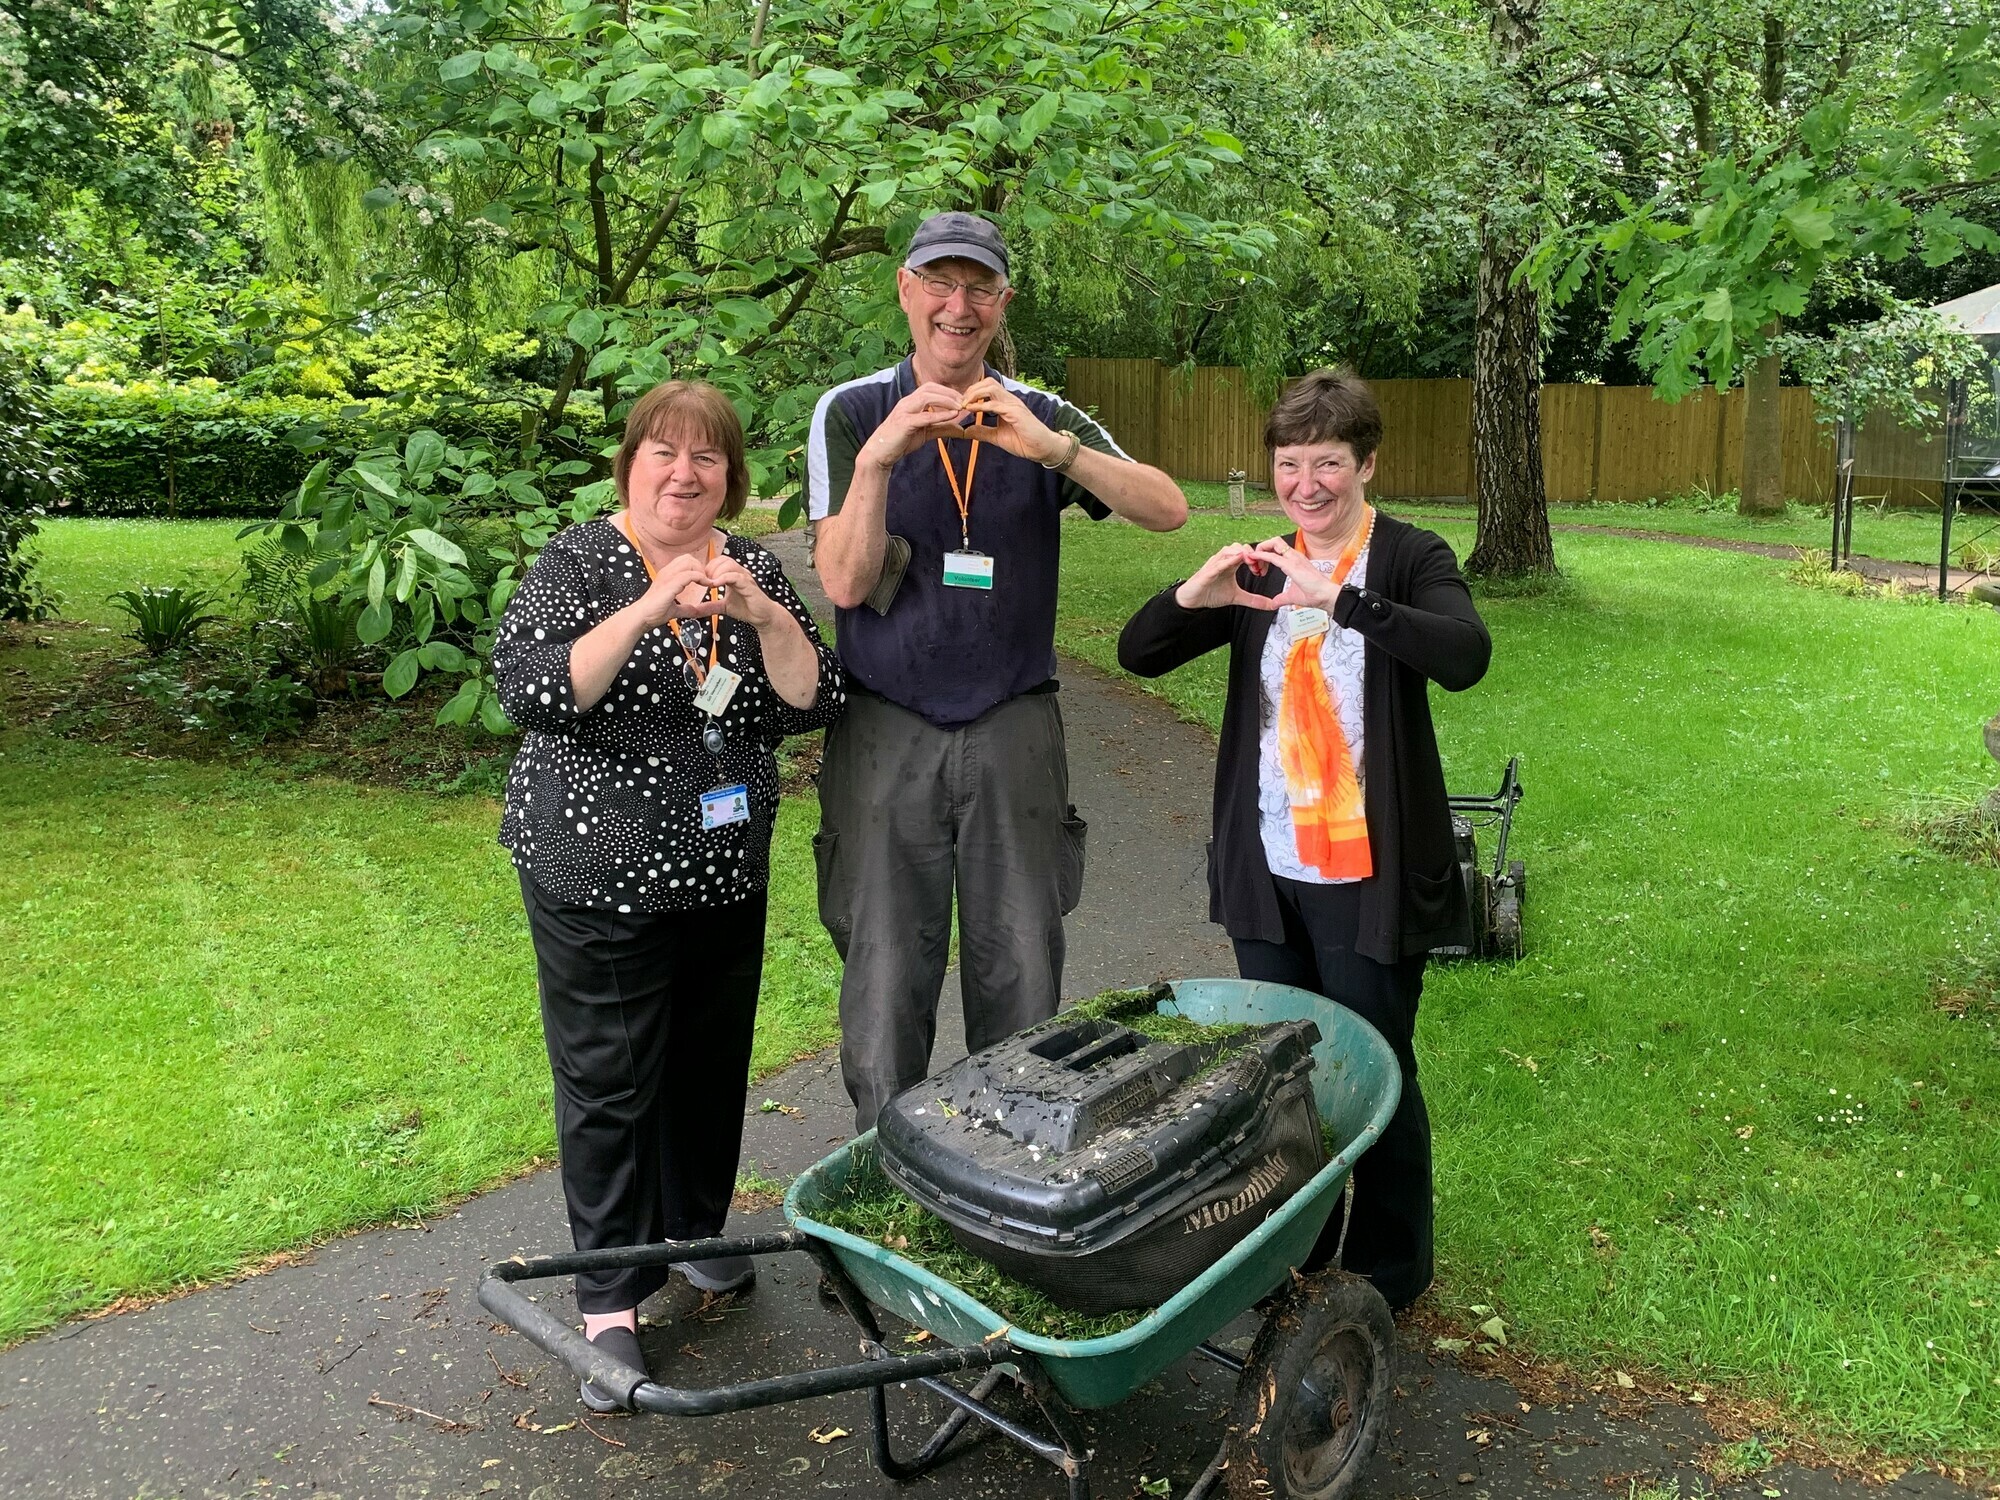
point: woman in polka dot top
(654, 662)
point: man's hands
(987, 412)
(930, 411)
(1214, 584)
(1015, 428)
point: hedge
(189, 451)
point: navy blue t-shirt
(952, 654)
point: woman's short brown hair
(694, 409)
(1327, 406)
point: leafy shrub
(30, 479)
(197, 449)
(429, 540)
(240, 692)
(167, 619)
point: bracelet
(1061, 465)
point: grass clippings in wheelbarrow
(870, 1207)
(873, 1208)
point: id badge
(1307, 623)
(725, 805)
(968, 570)
(717, 689)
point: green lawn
(1717, 1121)
(245, 1008)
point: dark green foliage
(29, 481)
(188, 453)
(167, 619)
(238, 692)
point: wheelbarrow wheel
(1314, 1395)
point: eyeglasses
(978, 293)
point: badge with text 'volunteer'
(968, 570)
(965, 569)
(725, 805)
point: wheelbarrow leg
(1067, 1454)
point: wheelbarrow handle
(554, 1336)
(630, 1387)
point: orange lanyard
(714, 620)
(1352, 554)
(962, 496)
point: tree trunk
(1507, 473)
(1763, 492)
(1513, 540)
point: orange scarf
(1328, 818)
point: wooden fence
(1602, 442)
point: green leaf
(1041, 114)
(443, 549)
(626, 89)
(462, 66)
(314, 485)
(1810, 225)
(373, 475)
(464, 703)
(401, 674)
(374, 622)
(586, 328)
(493, 716)
(442, 656)
(424, 452)
(1718, 306)
(878, 193)
(790, 511)
(378, 581)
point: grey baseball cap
(958, 236)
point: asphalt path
(367, 1369)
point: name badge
(725, 805)
(1307, 623)
(968, 570)
(717, 689)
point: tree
(1513, 538)
(716, 195)
(1889, 151)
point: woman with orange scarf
(1332, 865)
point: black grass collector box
(1110, 1155)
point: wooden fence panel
(1601, 442)
(1123, 394)
(1426, 439)
(1210, 422)
(1570, 426)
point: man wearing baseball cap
(938, 487)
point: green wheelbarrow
(1312, 1395)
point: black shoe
(622, 1344)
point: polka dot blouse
(604, 803)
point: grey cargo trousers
(908, 812)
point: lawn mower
(1496, 895)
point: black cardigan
(1418, 620)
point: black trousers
(648, 1018)
(1389, 1239)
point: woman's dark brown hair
(1327, 406)
(687, 409)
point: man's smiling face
(952, 327)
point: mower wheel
(1507, 923)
